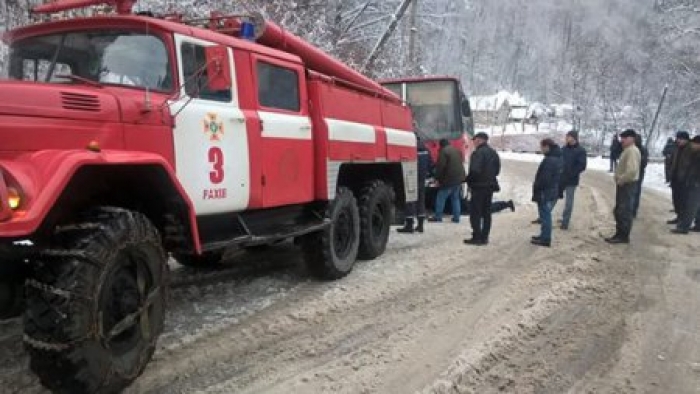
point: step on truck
(126, 139)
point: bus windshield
(435, 105)
(113, 57)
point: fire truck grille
(80, 102)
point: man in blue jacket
(575, 160)
(545, 189)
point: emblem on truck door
(213, 127)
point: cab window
(278, 87)
(194, 70)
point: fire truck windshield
(435, 106)
(106, 57)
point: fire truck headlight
(14, 198)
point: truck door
(287, 143)
(211, 143)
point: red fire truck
(128, 138)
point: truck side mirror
(218, 68)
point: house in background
(495, 109)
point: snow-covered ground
(654, 178)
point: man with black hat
(626, 177)
(450, 174)
(692, 189)
(484, 168)
(575, 161)
(679, 172)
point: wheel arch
(58, 185)
(145, 188)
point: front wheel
(331, 253)
(95, 303)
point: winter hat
(628, 133)
(482, 136)
(573, 134)
(682, 135)
(696, 139)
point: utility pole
(656, 117)
(387, 33)
(413, 34)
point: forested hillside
(599, 55)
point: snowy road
(434, 316)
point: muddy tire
(95, 303)
(331, 254)
(205, 260)
(376, 214)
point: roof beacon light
(248, 31)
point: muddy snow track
(435, 316)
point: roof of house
(496, 101)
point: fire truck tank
(274, 36)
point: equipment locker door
(286, 131)
(211, 143)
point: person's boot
(407, 227)
(617, 239)
(419, 227)
(673, 221)
(696, 228)
(536, 221)
(511, 205)
(541, 242)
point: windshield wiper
(77, 78)
(52, 67)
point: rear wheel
(376, 214)
(95, 303)
(331, 253)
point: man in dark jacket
(680, 164)
(615, 152)
(692, 189)
(450, 174)
(575, 161)
(545, 189)
(642, 171)
(668, 151)
(484, 168)
(417, 209)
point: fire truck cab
(128, 138)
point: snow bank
(654, 179)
